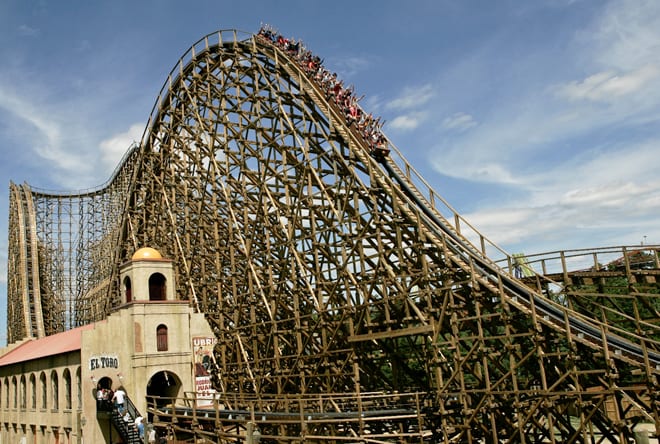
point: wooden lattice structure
(330, 275)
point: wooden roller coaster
(351, 303)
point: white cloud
(408, 121)
(628, 162)
(513, 224)
(607, 85)
(45, 132)
(459, 121)
(613, 194)
(626, 36)
(114, 148)
(610, 191)
(347, 67)
(619, 96)
(412, 98)
(492, 172)
(580, 174)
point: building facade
(153, 346)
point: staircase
(126, 429)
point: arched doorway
(103, 394)
(162, 388)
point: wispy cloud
(619, 92)
(625, 35)
(28, 31)
(617, 188)
(582, 152)
(459, 122)
(113, 148)
(412, 97)
(42, 127)
(408, 121)
(347, 67)
(410, 106)
(607, 85)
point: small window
(157, 287)
(33, 392)
(55, 385)
(44, 391)
(7, 393)
(161, 338)
(67, 389)
(23, 393)
(78, 387)
(127, 289)
(14, 390)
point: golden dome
(146, 253)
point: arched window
(33, 391)
(14, 390)
(55, 387)
(127, 289)
(23, 393)
(79, 387)
(44, 390)
(161, 337)
(7, 405)
(66, 376)
(157, 287)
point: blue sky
(536, 120)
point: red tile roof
(67, 341)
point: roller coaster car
(380, 151)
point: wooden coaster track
(329, 270)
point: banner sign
(203, 355)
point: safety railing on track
(214, 39)
(565, 262)
(88, 192)
(487, 248)
(497, 266)
(475, 240)
(233, 414)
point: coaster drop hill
(349, 300)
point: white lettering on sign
(204, 342)
(96, 362)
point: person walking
(139, 425)
(119, 398)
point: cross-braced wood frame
(326, 271)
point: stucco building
(153, 345)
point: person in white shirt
(139, 424)
(119, 398)
(151, 438)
